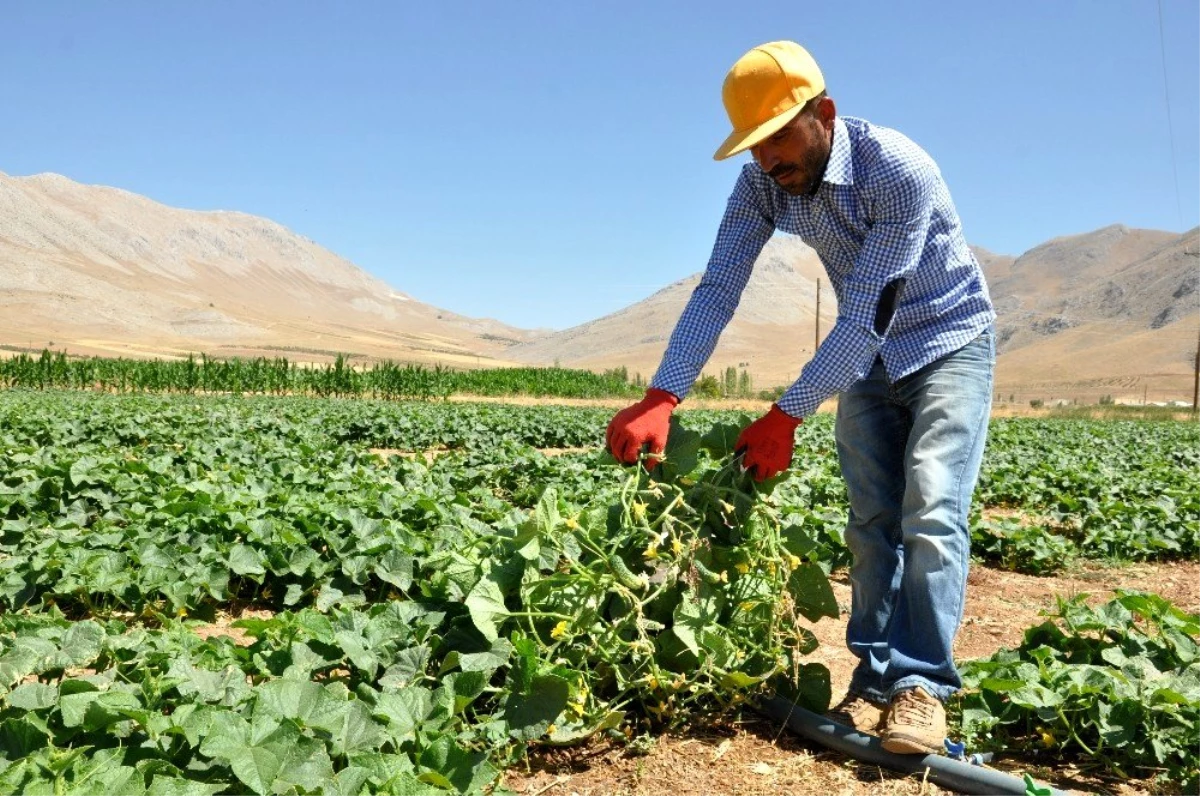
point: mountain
(771, 333)
(98, 270)
(1113, 312)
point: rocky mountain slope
(99, 270)
(771, 332)
(103, 271)
(1111, 312)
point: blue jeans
(910, 453)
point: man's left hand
(767, 444)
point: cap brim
(741, 140)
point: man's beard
(803, 178)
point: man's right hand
(646, 422)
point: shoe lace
(910, 707)
(853, 705)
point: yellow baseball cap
(765, 90)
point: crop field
(219, 594)
(281, 376)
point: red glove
(644, 422)
(768, 443)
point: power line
(1162, 47)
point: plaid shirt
(882, 212)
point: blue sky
(547, 163)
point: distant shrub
(707, 387)
(773, 394)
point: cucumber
(626, 576)
(706, 574)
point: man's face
(795, 157)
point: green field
(281, 376)
(414, 624)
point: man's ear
(826, 112)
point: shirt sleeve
(745, 229)
(891, 251)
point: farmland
(211, 594)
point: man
(911, 356)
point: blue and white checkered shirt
(881, 213)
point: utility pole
(817, 335)
(1196, 382)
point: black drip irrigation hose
(944, 771)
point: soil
(751, 755)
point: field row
(281, 376)
(417, 624)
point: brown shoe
(916, 723)
(860, 713)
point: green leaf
(811, 592)
(466, 772)
(33, 696)
(353, 729)
(682, 452)
(177, 786)
(570, 733)
(26, 656)
(329, 596)
(409, 667)
(81, 643)
(485, 602)
(307, 703)
(808, 686)
(720, 439)
(73, 707)
(245, 560)
(528, 715)
(350, 780)
(223, 733)
(22, 737)
(395, 567)
(293, 594)
(546, 516)
(488, 661)
(405, 710)
(465, 686)
(256, 767)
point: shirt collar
(840, 169)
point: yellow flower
(550, 730)
(676, 546)
(572, 523)
(792, 561)
(559, 630)
(742, 567)
(1048, 739)
(639, 510)
(578, 704)
(726, 507)
(651, 551)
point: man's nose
(766, 156)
